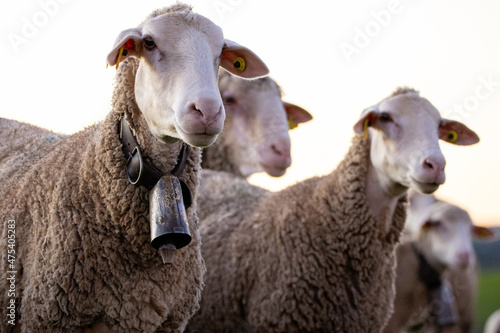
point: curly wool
(310, 258)
(220, 157)
(83, 252)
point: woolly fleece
(310, 258)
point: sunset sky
(334, 58)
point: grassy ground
(489, 296)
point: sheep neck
(219, 157)
(382, 195)
(139, 171)
(351, 182)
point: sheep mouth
(167, 139)
(273, 171)
(200, 140)
(425, 187)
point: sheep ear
(240, 61)
(296, 115)
(457, 133)
(128, 43)
(367, 118)
(484, 233)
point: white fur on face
(257, 125)
(176, 83)
(448, 236)
(405, 150)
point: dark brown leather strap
(140, 171)
(429, 276)
(181, 161)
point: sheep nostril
(428, 164)
(276, 150)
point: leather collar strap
(140, 171)
(440, 292)
(426, 273)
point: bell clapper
(167, 252)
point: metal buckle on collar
(134, 178)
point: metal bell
(444, 305)
(167, 217)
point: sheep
(255, 136)
(436, 271)
(493, 323)
(83, 257)
(318, 256)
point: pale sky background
(54, 75)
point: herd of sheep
(365, 248)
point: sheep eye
(432, 224)
(385, 117)
(149, 43)
(229, 100)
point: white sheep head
(404, 130)
(258, 124)
(176, 81)
(444, 231)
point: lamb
(255, 136)
(83, 257)
(436, 256)
(493, 323)
(318, 256)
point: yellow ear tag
(119, 57)
(365, 129)
(452, 136)
(292, 124)
(239, 64)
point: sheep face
(257, 124)
(404, 131)
(176, 80)
(446, 233)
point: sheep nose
(434, 165)
(280, 150)
(210, 109)
(463, 259)
(209, 112)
